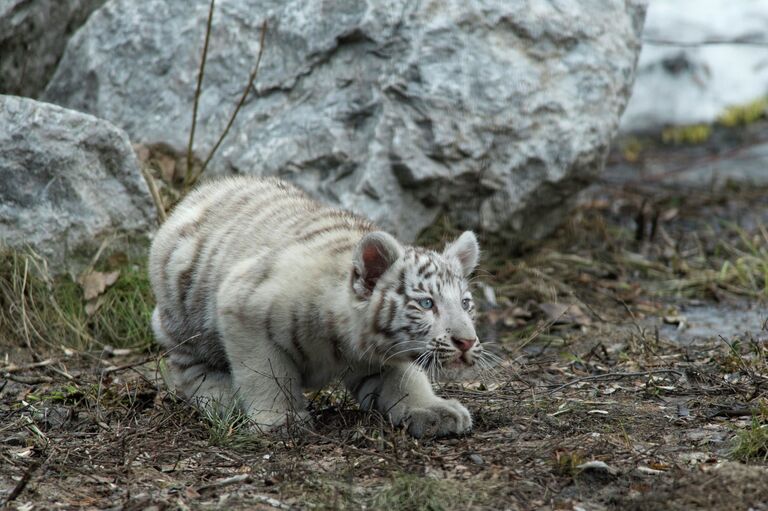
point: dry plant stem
(240, 104)
(62, 372)
(27, 324)
(114, 369)
(544, 326)
(24, 481)
(155, 193)
(102, 247)
(188, 181)
(27, 380)
(24, 307)
(13, 368)
(696, 44)
(240, 478)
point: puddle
(703, 322)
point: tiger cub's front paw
(444, 417)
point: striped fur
(262, 292)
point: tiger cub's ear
(465, 250)
(374, 254)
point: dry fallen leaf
(167, 166)
(95, 283)
(142, 152)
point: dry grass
(43, 312)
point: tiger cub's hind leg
(206, 386)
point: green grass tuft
(566, 463)
(229, 426)
(751, 444)
(689, 134)
(42, 311)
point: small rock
(476, 459)
(597, 466)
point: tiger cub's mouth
(461, 360)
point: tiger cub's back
(264, 221)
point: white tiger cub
(263, 292)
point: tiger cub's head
(417, 303)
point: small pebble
(476, 459)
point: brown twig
(13, 368)
(704, 42)
(27, 380)
(188, 177)
(114, 369)
(240, 104)
(24, 320)
(24, 481)
(239, 478)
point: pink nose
(463, 344)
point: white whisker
(406, 350)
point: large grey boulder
(494, 112)
(69, 182)
(699, 58)
(33, 35)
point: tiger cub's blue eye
(465, 303)
(426, 303)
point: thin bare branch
(200, 74)
(240, 104)
(155, 194)
(704, 42)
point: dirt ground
(635, 378)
